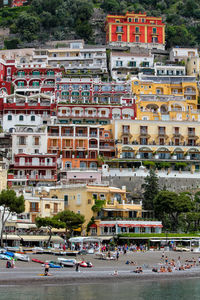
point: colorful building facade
(166, 98)
(135, 29)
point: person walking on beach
(77, 267)
(46, 270)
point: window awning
(41, 238)
(107, 225)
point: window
(102, 196)
(137, 29)
(32, 118)
(66, 200)
(119, 63)
(9, 118)
(119, 38)
(22, 140)
(9, 71)
(132, 63)
(37, 151)
(154, 30)
(136, 20)
(20, 151)
(94, 196)
(21, 118)
(129, 19)
(36, 141)
(34, 207)
(89, 201)
(47, 206)
(137, 39)
(78, 200)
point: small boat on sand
(85, 264)
(5, 257)
(38, 261)
(21, 257)
(66, 262)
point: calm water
(180, 289)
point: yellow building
(158, 140)
(166, 98)
(80, 198)
(42, 205)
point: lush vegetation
(177, 211)
(10, 204)
(60, 19)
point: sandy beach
(102, 271)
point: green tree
(179, 35)
(169, 205)
(50, 223)
(71, 220)
(111, 6)
(151, 189)
(27, 26)
(9, 204)
(97, 207)
(12, 44)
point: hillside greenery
(61, 19)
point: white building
(29, 140)
(169, 70)
(27, 111)
(179, 54)
(123, 64)
(75, 57)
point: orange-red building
(133, 28)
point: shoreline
(82, 278)
(29, 273)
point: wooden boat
(66, 262)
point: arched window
(21, 118)
(9, 118)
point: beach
(102, 271)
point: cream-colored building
(80, 199)
(158, 140)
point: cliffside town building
(135, 29)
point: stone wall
(133, 184)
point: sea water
(137, 290)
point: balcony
(93, 146)
(81, 134)
(119, 30)
(106, 147)
(67, 134)
(54, 147)
(53, 134)
(65, 147)
(191, 134)
(190, 92)
(93, 134)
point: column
(145, 34)
(110, 33)
(128, 33)
(163, 35)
